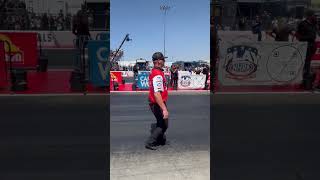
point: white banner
(186, 80)
(127, 73)
(260, 63)
(58, 39)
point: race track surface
(54, 138)
(186, 157)
(265, 136)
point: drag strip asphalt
(54, 137)
(186, 157)
(265, 136)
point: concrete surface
(265, 136)
(54, 138)
(186, 157)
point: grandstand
(50, 15)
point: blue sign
(99, 68)
(143, 79)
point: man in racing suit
(158, 96)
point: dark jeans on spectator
(81, 43)
(206, 82)
(310, 52)
(259, 36)
(307, 76)
(175, 83)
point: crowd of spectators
(14, 15)
(267, 22)
(279, 28)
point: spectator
(282, 31)
(175, 77)
(90, 19)
(256, 27)
(307, 32)
(52, 23)
(81, 22)
(171, 75)
(205, 71)
(198, 70)
(68, 21)
(45, 22)
(135, 71)
(242, 24)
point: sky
(187, 28)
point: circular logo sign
(185, 81)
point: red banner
(116, 76)
(23, 48)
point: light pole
(164, 8)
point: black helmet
(157, 56)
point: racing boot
(152, 141)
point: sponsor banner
(23, 48)
(143, 79)
(116, 76)
(127, 73)
(98, 62)
(62, 39)
(3, 72)
(261, 63)
(186, 80)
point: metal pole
(126, 38)
(164, 8)
(214, 47)
(164, 34)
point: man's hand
(165, 114)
